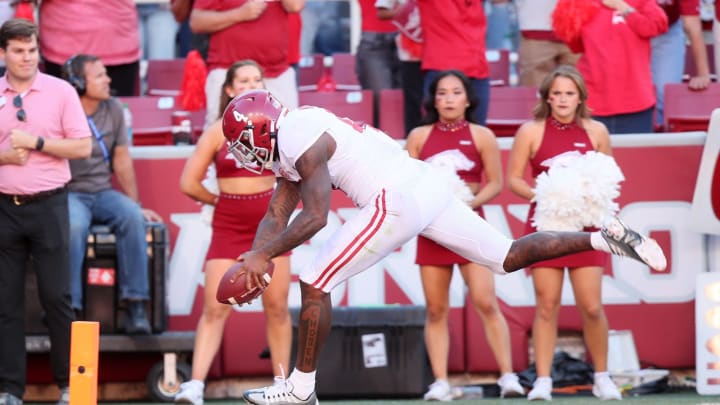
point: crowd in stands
(397, 49)
(625, 52)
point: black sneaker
(136, 320)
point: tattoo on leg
(314, 326)
(540, 246)
(310, 320)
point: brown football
(235, 293)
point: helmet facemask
(252, 157)
(250, 124)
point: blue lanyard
(98, 136)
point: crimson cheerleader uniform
(236, 216)
(559, 138)
(442, 141)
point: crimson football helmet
(250, 124)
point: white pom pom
(449, 162)
(458, 186)
(206, 213)
(577, 191)
(210, 181)
(211, 184)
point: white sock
(598, 242)
(303, 383)
(543, 380)
(442, 380)
(600, 374)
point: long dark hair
(542, 109)
(431, 113)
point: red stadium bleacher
(689, 110)
(164, 77)
(392, 113)
(499, 65)
(356, 105)
(343, 72)
(152, 119)
(690, 68)
(510, 107)
(310, 68)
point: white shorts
(425, 207)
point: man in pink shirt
(42, 125)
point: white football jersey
(365, 161)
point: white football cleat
(624, 241)
(280, 393)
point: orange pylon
(84, 349)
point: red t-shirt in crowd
(616, 57)
(675, 8)
(264, 40)
(294, 30)
(454, 35)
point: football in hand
(235, 292)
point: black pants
(412, 87)
(125, 78)
(38, 230)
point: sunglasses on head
(17, 102)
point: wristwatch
(627, 11)
(40, 144)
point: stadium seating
(499, 65)
(510, 107)
(344, 72)
(356, 105)
(689, 110)
(164, 77)
(392, 113)
(152, 119)
(690, 68)
(310, 69)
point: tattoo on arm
(282, 204)
(314, 190)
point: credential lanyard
(98, 136)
